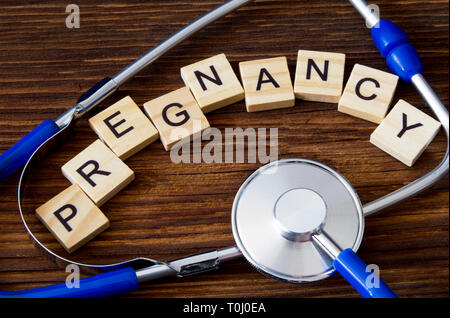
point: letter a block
(267, 84)
(124, 128)
(319, 76)
(368, 93)
(213, 83)
(177, 117)
(405, 133)
(99, 172)
(72, 218)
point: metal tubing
(176, 38)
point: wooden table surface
(174, 210)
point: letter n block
(319, 76)
(267, 84)
(124, 128)
(368, 93)
(72, 218)
(177, 117)
(213, 83)
(99, 172)
(405, 133)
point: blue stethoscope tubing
(402, 59)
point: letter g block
(177, 116)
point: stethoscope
(296, 220)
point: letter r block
(213, 83)
(319, 76)
(405, 133)
(177, 117)
(98, 172)
(124, 128)
(368, 93)
(72, 218)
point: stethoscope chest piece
(282, 205)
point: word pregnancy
(178, 119)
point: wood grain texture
(173, 210)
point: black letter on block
(182, 113)
(96, 170)
(268, 80)
(216, 80)
(64, 221)
(113, 127)
(406, 127)
(358, 88)
(323, 76)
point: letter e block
(213, 83)
(177, 117)
(368, 93)
(267, 84)
(405, 133)
(72, 218)
(319, 76)
(99, 172)
(124, 128)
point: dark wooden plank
(172, 210)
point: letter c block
(368, 93)
(72, 218)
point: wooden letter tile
(177, 117)
(368, 93)
(124, 128)
(319, 76)
(267, 84)
(405, 133)
(213, 83)
(99, 172)
(72, 218)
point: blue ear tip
(393, 44)
(18, 155)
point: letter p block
(72, 218)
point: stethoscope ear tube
(107, 284)
(356, 272)
(366, 280)
(15, 157)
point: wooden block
(124, 128)
(368, 93)
(213, 83)
(72, 218)
(319, 76)
(267, 84)
(405, 133)
(177, 117)
(99, 172)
